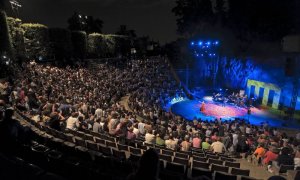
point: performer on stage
(202, 107)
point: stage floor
(189, 109)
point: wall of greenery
(37, 41)
(5, 42)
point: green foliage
(5, 42)
(36, 37)
(61, 44)
(17, 37)
(101, 45)
(79, 42)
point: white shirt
(171, 144)
(297, 162)
(235, 139)
(218, 147)
(136, 132)
(141, 127)
(72, 123)
(248, 130)
(149, 138)
(208, 133)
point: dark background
(147, 17)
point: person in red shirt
(270, 155)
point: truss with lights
(205, 48)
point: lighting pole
(15, 5)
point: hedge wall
(17, 37)
(100, 45)
(79, 42)
(5, 41)
(60, 42)
(36, 38)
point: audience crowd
(78, 98)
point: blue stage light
(200, 43)
(217, 42)
(192, 43)
(208, 43)
(197, 55)
(202, 55)
(214, 54)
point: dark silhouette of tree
(268, 20)
(220, 11)
(127, 42)
(74, 22)
(122, 30)
(93, 25)
(80, 22)
(192, 13)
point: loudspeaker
(289, 67)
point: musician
(202, 107)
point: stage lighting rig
(207, 48)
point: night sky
(147, 17)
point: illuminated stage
(189, 109)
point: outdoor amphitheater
(78, 103)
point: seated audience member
(196, 141)
(205, 144)
(218, 146)
(159, 140)
(297, 157)
(9, 132)
(269, 157)
(148, 167)
(130, 134)
(97, 126)
(149, 137)
(185, 145)
(259, 153)
(73, 122)
(171, 143)
(284, 158)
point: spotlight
(200, 43)
(192, 43)
(217, 42)
(7, 62)
(197, 55)
(208, 43)
(202, 55)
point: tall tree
(81, 22)
(191, 14)
(75, 22)
(127, 42)
(249, 19)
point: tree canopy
(89, 24)
(262, 19)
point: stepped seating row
(94, 146)
(12, 167)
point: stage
(189, 109)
